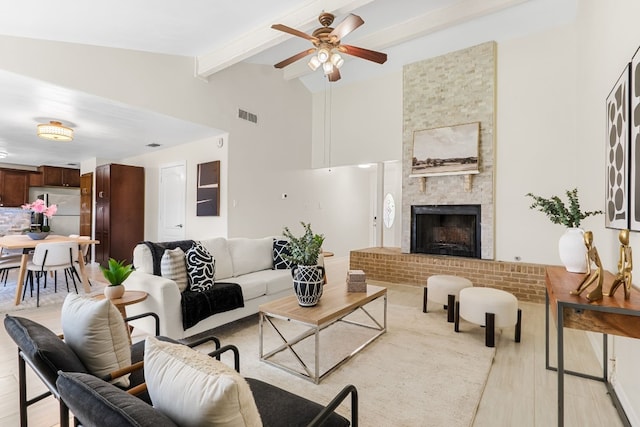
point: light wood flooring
(519, 391)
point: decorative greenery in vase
(304, 249)
(117, 272)
(39, 207)
(558, 212)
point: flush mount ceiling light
(3, 154)
(55, 131)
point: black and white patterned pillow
(280, 248)
(201, 268)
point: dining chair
(52, 257)
(84, 251)
(8, 262)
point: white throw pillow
(174, 267)
(219, 249)
(196, 390)
(251, 255)
(96, 332)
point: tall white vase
(573, 252)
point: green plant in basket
(116, 272)
(304, 249)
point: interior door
(171, 202)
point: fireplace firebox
(446, 230)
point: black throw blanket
(157, 250)
(197, 306)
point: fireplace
(446, 230)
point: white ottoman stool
(444, 289)
(490, 308)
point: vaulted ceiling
(218, 34)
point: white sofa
(247, 262)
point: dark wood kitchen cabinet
(86, 203)
(14, 187)
(119, 211)
(53, 176)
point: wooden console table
(611, 315)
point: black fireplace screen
(446, 230)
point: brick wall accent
(525, 281)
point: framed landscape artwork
(449, 150)
(208, 190)
(617, 168)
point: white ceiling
(219, 34)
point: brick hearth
(525, 281)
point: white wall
(358, 123)
(194, 153)
(536, 144)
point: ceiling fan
(326, 42)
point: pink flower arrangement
(39, 207)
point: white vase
(573, 251)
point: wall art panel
(634, 190)
(616, 199)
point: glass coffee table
(334, 306)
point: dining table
(27, 244)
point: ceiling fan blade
(334, 76)
(294, 32)
(370, 55)
(349, 24)
(294, 58)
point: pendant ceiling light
(55, 131)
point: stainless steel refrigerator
(66, 221)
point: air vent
(245, 115)
(153, 145)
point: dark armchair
(46, 354)
(94, 401)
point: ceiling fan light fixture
(337, 60)
(327, 67)
(323, 54)
(314, 63)
(55, 131)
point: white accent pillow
(142, 258)
(196, 390)
(96, 332)
(251, 255)
(174, 267)
(220, 250)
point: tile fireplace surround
(525, 281)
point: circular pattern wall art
(618, 135)
(634, 189)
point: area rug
(419, 373)
(48, 296)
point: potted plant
(308, 276)
(571, 245)
(116, 273)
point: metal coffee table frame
(314, 374)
